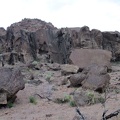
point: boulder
(97, 77)
(80, 98)
(11, 81)
(54, 66)
(76, 79)
(86, 97)
(84, 57)
(69, 69)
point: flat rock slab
(86, 57)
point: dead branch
(80, 114)
(110, 115)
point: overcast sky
(100, 14)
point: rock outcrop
(60, 46)
(2, 40)
(111, 42)
(26, 40)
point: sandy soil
(48, 110)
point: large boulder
(97, 77)
(76, 79)
(86, 57)
(11, 81)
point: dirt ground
(46, 109)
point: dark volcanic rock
(97, 77)
(2, 31)
(111, 42)
(76, 79)
(60, 46)
(2, 39)
(28, 38)
(11, 81)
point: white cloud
(99, 14)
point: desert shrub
(48, 76)
(94, 98)
(72, 103)
(32, 99)
(66, 99)
(10, 105)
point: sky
(97, 14)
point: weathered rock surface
(30, 37)
(111, 42)
(86, 57)
(76, 79)
(60, 46)
(95, 39)
(86, 97)
(54, 66)
(80, 98)
(27, 40)
(11, 81)
(97, 78)
(69, 69)
(2, 42)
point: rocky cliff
(24, 41)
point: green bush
(32, 100)
(66, 99)
(72, 103)
(94, 98)
(10, 105)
